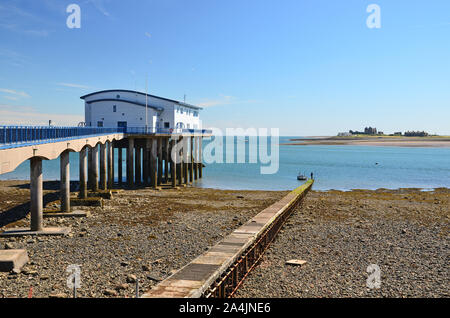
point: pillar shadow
(20, 212)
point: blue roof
(136, 92)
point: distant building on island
(125, 108)
(367, 131)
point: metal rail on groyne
(222, 269)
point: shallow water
(334, 167)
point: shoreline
(381, 141)
(55, 186)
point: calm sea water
(334, 167)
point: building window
(195, 114)
(99, 124)
(114, 108)
(118, 96)
(166, 125)
(123, 114)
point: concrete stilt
(130, 162)
(138, 168)
(120, 166)
(200, 160)
(166, 159)
(195, 158)
(36, 194)
(145, 164)
(103, 163)
(148, 146)
(153, 168)
(37, 203)
(191, 159)
(110, 164)
(93, 169)
(83, 173)
(173, 164)
(185, 160)
(64, 192)
(180, 164)
(160, 160)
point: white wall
(134, 114)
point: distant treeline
(416, 134)
(373, 131)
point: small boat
(301, 177)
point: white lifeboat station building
(141, 111)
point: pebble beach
(145, 235)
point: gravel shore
(145, 234)
(139, 234)
(339, 234)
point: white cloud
(223, 100)
(99, 5)
(72, 85)
(14, 92)
(22, 115)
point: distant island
(372, 137)
(372, 131)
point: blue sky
(306, 67)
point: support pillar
(138, 168)
(64, 192)
(36, 205)
(130, 162)
(83, 173)
(153, 168)
(120, 166)
(103, 174)
(166, 159)
(200, 160)
(93, 168)
(145, 163)
(173, 164)
(148, 145)
(195, 158)
(191, 160)
(36, 194)
(180, 164)
(110, 164)
(185, 160)
(160, 160)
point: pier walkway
(222, 269)
(154, 157)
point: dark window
(118, 96)
(114, 108)
(166, 125)
(122, 124)
(99, 124)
